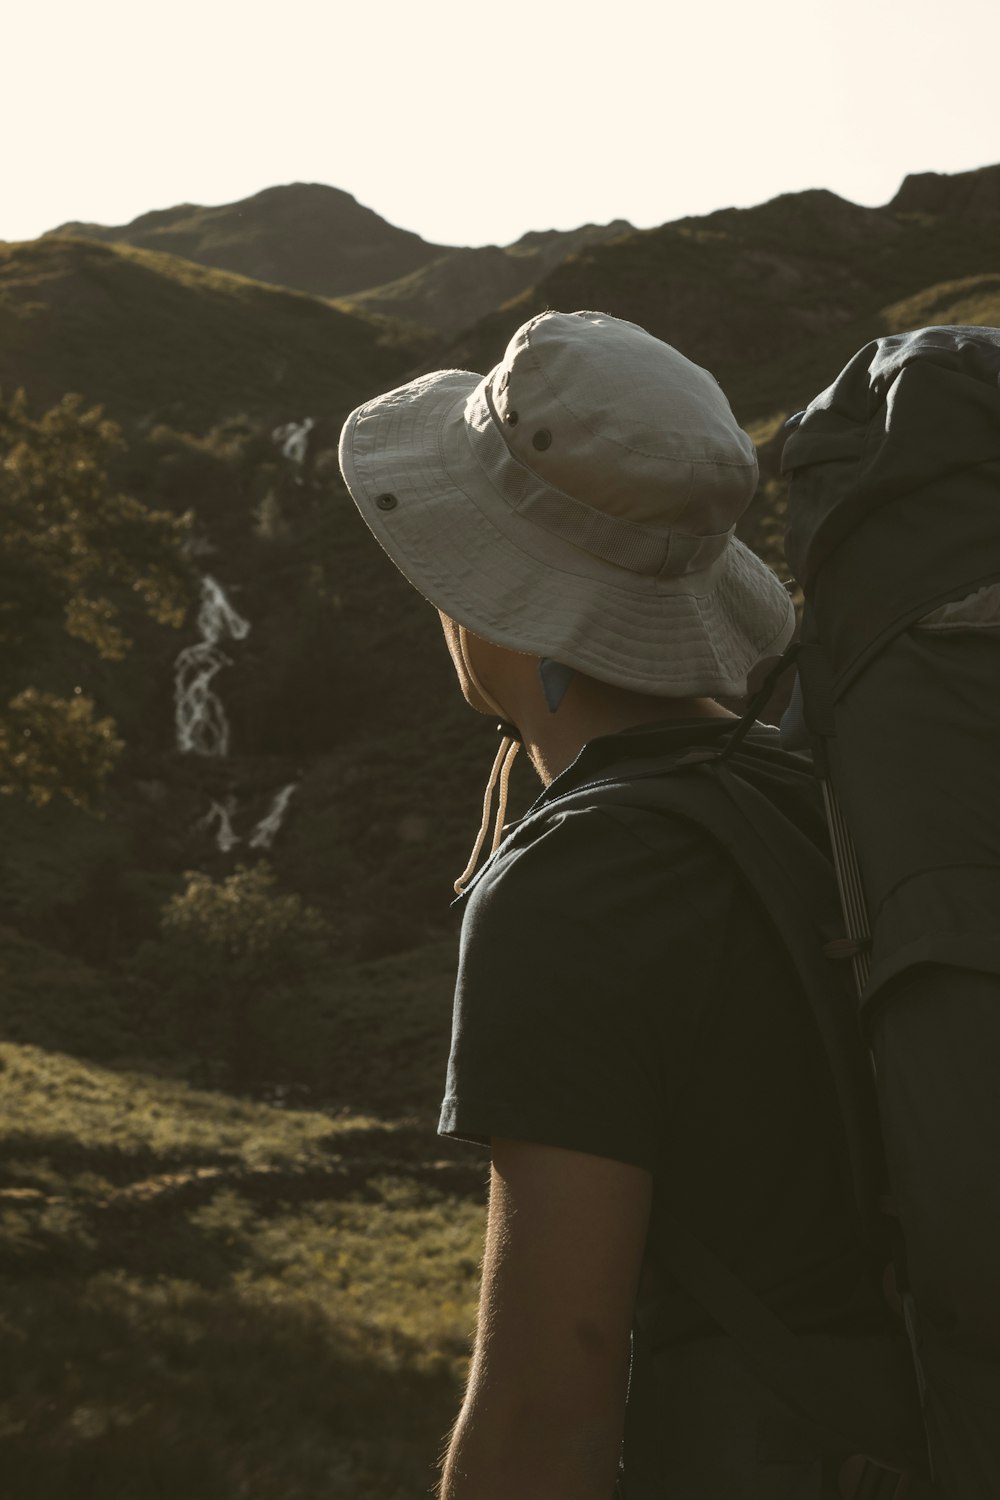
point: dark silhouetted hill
(304, 235)
(457, 290)
(158, 338)
(962, 195)
(772, 299)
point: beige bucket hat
(577, 503)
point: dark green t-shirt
(634, 1003)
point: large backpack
(894, 536)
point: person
(629, 1039)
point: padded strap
(802, 906)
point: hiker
(678, 1297)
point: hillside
(962, 196)
(320, 240)
(341, 684)
(304, 235)
(973, 300)
(202, 367)
(159, 338)
(457, 290)
(772, 299)
(784, 289)
(212, 1294)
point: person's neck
(553, 741)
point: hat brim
(459, 543)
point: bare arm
(544, 1409)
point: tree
(243, 930)
(235, 957)
(77, 558)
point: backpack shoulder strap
(861, 1390)
(795, 888)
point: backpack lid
(895, 486)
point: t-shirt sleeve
(577, 993)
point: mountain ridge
(306, 236)
(453, 292)
(772, 299)
(769, 298)
(318, 239)
(962, 195)
(797, 256)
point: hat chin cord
(499, 775)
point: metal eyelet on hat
(542, 439)
(511, 419)
(386, 502)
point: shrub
(232, 957)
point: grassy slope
(224, 1297)
(160, 338)
(970, 300)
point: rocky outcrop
(964, 195)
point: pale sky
(472, 124)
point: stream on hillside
(200, 720)
(201, 723)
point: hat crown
(621, 421)
(595, 529)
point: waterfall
(294, 438)
(222, 812)
(263, 835)
(200, 718)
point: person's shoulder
(558, 844)
(576, 862)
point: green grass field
(210, 1296)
